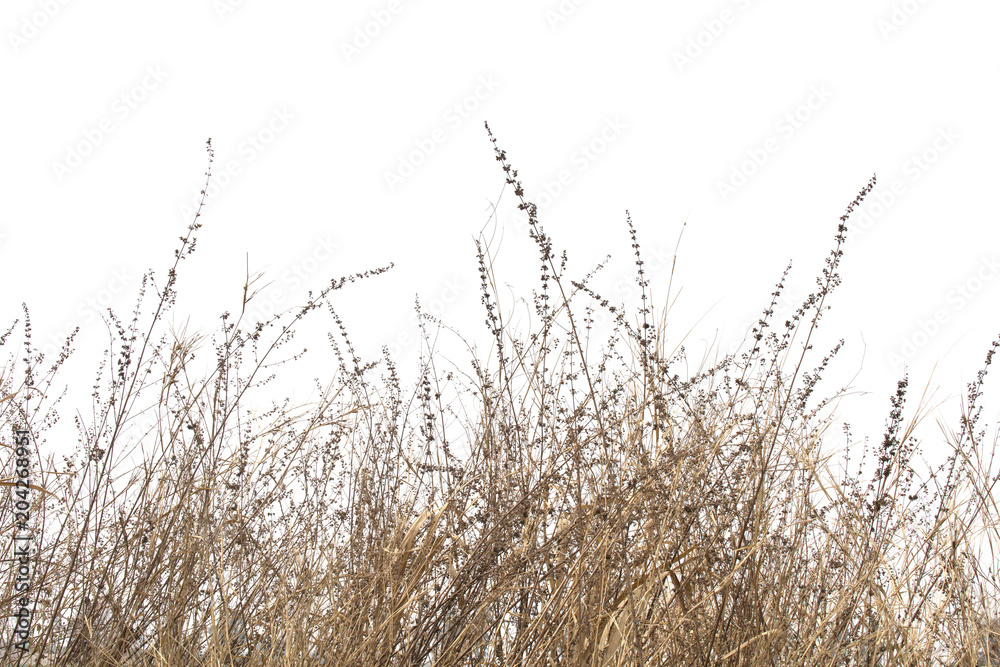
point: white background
(649, 107)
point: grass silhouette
(617, 513)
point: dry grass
(617, 513)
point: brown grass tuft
(617, 513)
